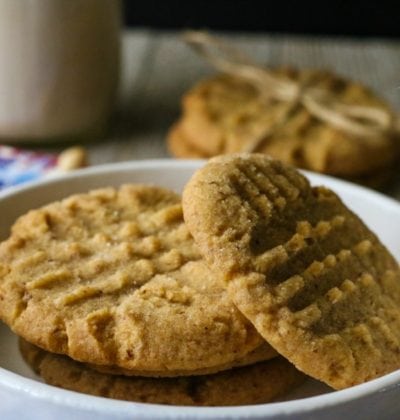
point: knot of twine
(367, 122)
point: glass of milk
(59, 68)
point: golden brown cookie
(317, 284)
(254, 384)
(260, 354)
(225, 115)
(180, 147)
(113, 277)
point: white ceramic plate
(24, 396)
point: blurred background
(334, 17)
(112, 75)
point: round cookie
(259, 383)
(225, 115)
(317, 284)
(260, 354)
(113, 277)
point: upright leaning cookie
(113, 277)
(312, 278)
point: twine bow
(360, 121)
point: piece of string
(360, 121)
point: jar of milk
(59, 68)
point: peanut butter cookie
(254, 384)
(261, 353)
(225, 115)
(113, 277)
(317, 284)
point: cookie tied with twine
(310, 118)
(356, 120)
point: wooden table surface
(157, 68)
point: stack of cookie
(227, 114)
(113, 296)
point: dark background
(366, 18)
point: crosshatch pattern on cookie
(259, 383)
(313, 279)
(113, 277)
